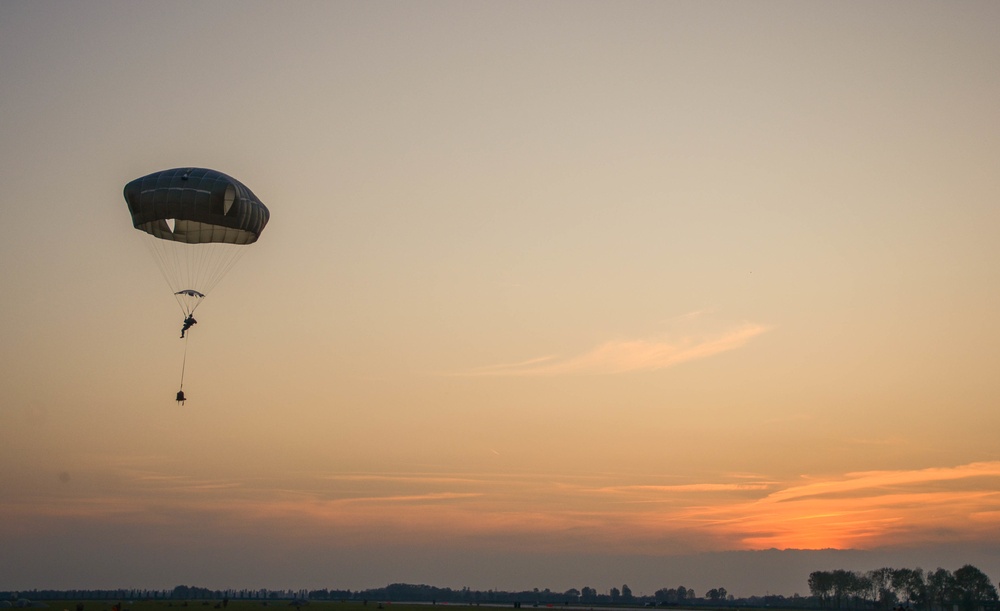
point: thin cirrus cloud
(625, 356)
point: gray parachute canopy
(198, 222)
(195, 206)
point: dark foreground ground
(286, 605)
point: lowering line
(180, 391)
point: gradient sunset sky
(554, 294)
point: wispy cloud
(702, 487)
(866, 509)
(867, 483)
(624, 356)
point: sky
(553, 294)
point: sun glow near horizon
(852, 511)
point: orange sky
(607, 282)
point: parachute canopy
(195, 206)
(198, 222)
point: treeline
(586, 595)
(401, 592)
(968, 588)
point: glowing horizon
(851, 511)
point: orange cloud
(623, 356)
(868, 509)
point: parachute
(198, 223)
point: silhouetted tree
(627, 594)
(662, 596)
(820, 585)
(863, 588)
(716, 594)
(909, 585)
(940, 585)
(843, 585)
(972, 588)
(882, 587)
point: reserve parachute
(197, 223)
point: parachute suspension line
(201, 266)
(197, 267)
(223, 258)
(229, 261)
(159, 254)
(169, 261)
